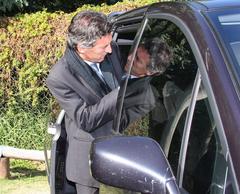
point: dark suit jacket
(139, 99)
(88, 114)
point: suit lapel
(90, 79)
(80, 69)
(107, 71)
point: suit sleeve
(139, 100)
(87, 117)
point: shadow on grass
(22, 172)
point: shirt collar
(91, 63)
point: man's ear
(80, 49)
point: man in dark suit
(85, 83)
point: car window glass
(174, 150)
(227, 22)
(205, 168)
(229, 189)
(169, 90)
(167, 119)
(124, 36)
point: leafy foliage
(23, 129)
(9, 5)
(12, 7)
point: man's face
(140, 63)
(98, 52)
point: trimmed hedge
(30, 45)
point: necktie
(97, 70)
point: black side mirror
(133, 163)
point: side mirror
(133, 163)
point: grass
(26, 177)
(29, 177)
(29, 185)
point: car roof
(196, 4)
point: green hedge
(30, 45)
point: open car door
(57, 175)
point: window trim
(134, 47)
(187, 129)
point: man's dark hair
(160, 54)
(87, 27)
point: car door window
(170, 86)
(124, 35)
(206, 168)
(201, 151)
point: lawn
(30, 185)
(39, 185)
(28, 177)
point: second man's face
(98, 52)
(140, 63)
